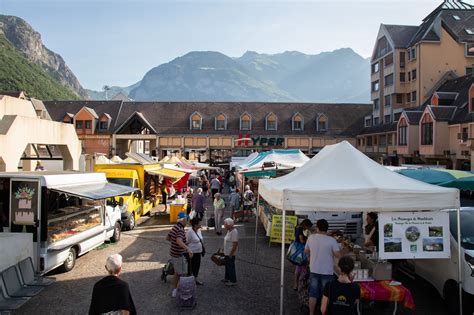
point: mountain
(205, 76)
(338, 76)
(114, 91)
(28, 42)
(19, 74)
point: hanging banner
(277, 224)
(414, 235)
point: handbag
(192, 214)
(203, 253)
(218, 258)
(296, 254)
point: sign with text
(413, 235)
(257, 141)
(277, 224)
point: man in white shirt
(231, 242)
(215, 186)
(321, 249)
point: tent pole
(458, 214)
(256, 226)
(282, 275)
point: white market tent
(341, 178)
(284, 158)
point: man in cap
(179, 249)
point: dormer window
(271, 122)
(104, 121)
(195, 121)
(322, 123)
(221, 122)
(297, 122)
(245, 122)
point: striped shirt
(177, 232)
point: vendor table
(383, 291)
(174, 210)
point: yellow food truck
(146, 178)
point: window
(389, 79)
(402, 59)
(456, 17)
(396, 116)
(271, 122)
(196, 121)
(469, 31)
(102, 125)
(388, 100)
(368, 122)
(389, 139)
(412, 53)
(399, 98)
(413, 96)
(376, 121)
(375, 86)
(469, 70)
(245, 122)
(297, 122)
(387, 119)
(470, 49)
(88, 124)
(409, 76)
(79, 124)
(376, 104)
(402, 76)
(408, 97)
(221, 122)
(427, 133)
(382, 140)
(413, 74)
(369, 141)
(402, 135)
(322, 123)
(388, 61)
(376, 140)
(375, 67)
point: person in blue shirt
(300, 237)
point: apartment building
(408, 64)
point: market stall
(341, 178)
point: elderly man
(178, 250)
(248, 202)
(198, 203)
(231, 243)
(112, 294)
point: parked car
(443, 273)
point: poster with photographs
(412, 235)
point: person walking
(322, 249)
(178, 250)
(198, 203)
(219, 207)
(235, 201)
(164, 195)
(340, 297)
(195, 243)
(248, 202)
(231, 243)
(215, 186)
(189, 200)
(111, 294)
(301, 232)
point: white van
(65, 211)
(443, 273)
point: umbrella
(443, 177)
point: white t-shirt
(322, 249)
(193, 242)
(229, 239)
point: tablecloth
(383, 291)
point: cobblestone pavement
(145, 251)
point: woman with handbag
(195, 243)
(301, 232)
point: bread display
(72, 220)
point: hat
(182, 215)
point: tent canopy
(286, 158)
(341, 178)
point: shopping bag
(296, 254)
(192, 214)
(218, 258)
(211, 222)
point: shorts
(317, 282)
(180, 265)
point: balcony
(375, 76)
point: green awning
(270, 173)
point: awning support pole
(256, 226)
(458, 215)
(282, 275)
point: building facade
(408, 64)
(208, 131)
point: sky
(115, 42)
